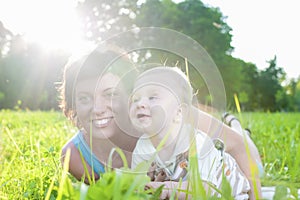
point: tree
(293, 94)
(28, 76)
(101, 19)
(269, 84)
(191, 17)
(28, 73)
(297, 96)
(249, 86)
(5, 37)
(205, 25)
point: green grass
(277, 137)
(30, 144)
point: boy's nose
(142, 102)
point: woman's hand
(169, 187)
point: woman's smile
(102, 123)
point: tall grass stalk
(64, 177)
(252, 163)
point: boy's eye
(153, 97)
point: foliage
(30, 77)
(5, 36)
(103, 18)
(30, 158)
(119, 185)
(277, 137)
(269, 85)
(29, 153)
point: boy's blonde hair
(170, 77)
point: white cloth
(268, 193)
(210, 160)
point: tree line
(29, 74)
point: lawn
(30, 144)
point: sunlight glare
(51, 23)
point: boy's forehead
(157, 80)
(151, 87)
(154, 89)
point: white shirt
(208, 156)
(211, 162)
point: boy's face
(153, 108)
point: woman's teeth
(101, 122)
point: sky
(260, 29)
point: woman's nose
(100, 105)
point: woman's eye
(111, 94)
(84, 99)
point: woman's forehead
(107, 80)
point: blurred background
(38, 37)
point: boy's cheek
(158, 113)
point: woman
(94, 96)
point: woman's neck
(103, 147)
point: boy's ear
(184, 109)
(178, 115)
(181, 113)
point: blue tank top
(87, 154)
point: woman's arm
(239, 146)
(76, 167)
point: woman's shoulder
(74, 154)
(76, 167)
(70, 144)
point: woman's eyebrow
(82, 92)
(111, 88)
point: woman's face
(98, 104)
